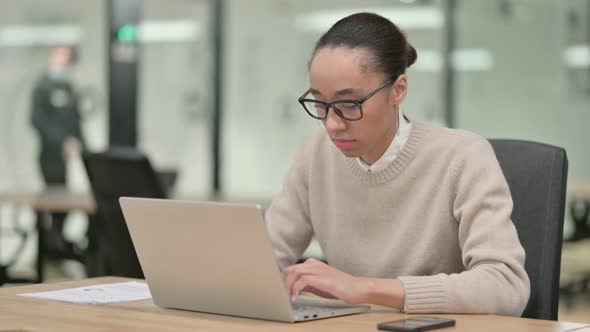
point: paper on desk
(98, 294)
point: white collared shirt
(396, 145)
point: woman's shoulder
(451, 143)
(448, 136)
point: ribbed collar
(396, 167)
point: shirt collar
(396, 145)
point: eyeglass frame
(332, 105)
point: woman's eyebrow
(342, 92)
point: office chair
(537, 176)
(112, 174)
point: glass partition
(175, 90)
(266, 71)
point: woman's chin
(350, 153)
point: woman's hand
(323, 280)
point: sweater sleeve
(494, 280)
(287, 219)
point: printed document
(98, 294)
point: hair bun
(412, 55)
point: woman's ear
(400, 89)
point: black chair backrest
(537, 176)
(112, 174)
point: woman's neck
(380, 149)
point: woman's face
(340, 73)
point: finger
(315, 263)
(299, 266)
(297, 286)
(294, 272)
(313, 284)
(287, 270)
(317, 292)
(290, 275)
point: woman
(408, 215)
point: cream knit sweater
(438, 218)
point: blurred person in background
(56, 117)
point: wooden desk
(24, 314)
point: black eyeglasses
(351, 110)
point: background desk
(50, 200)
(24, 314)
(53, 199)
(575, 265)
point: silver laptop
(216, 258)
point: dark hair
(388, 47)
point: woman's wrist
(384, 292)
